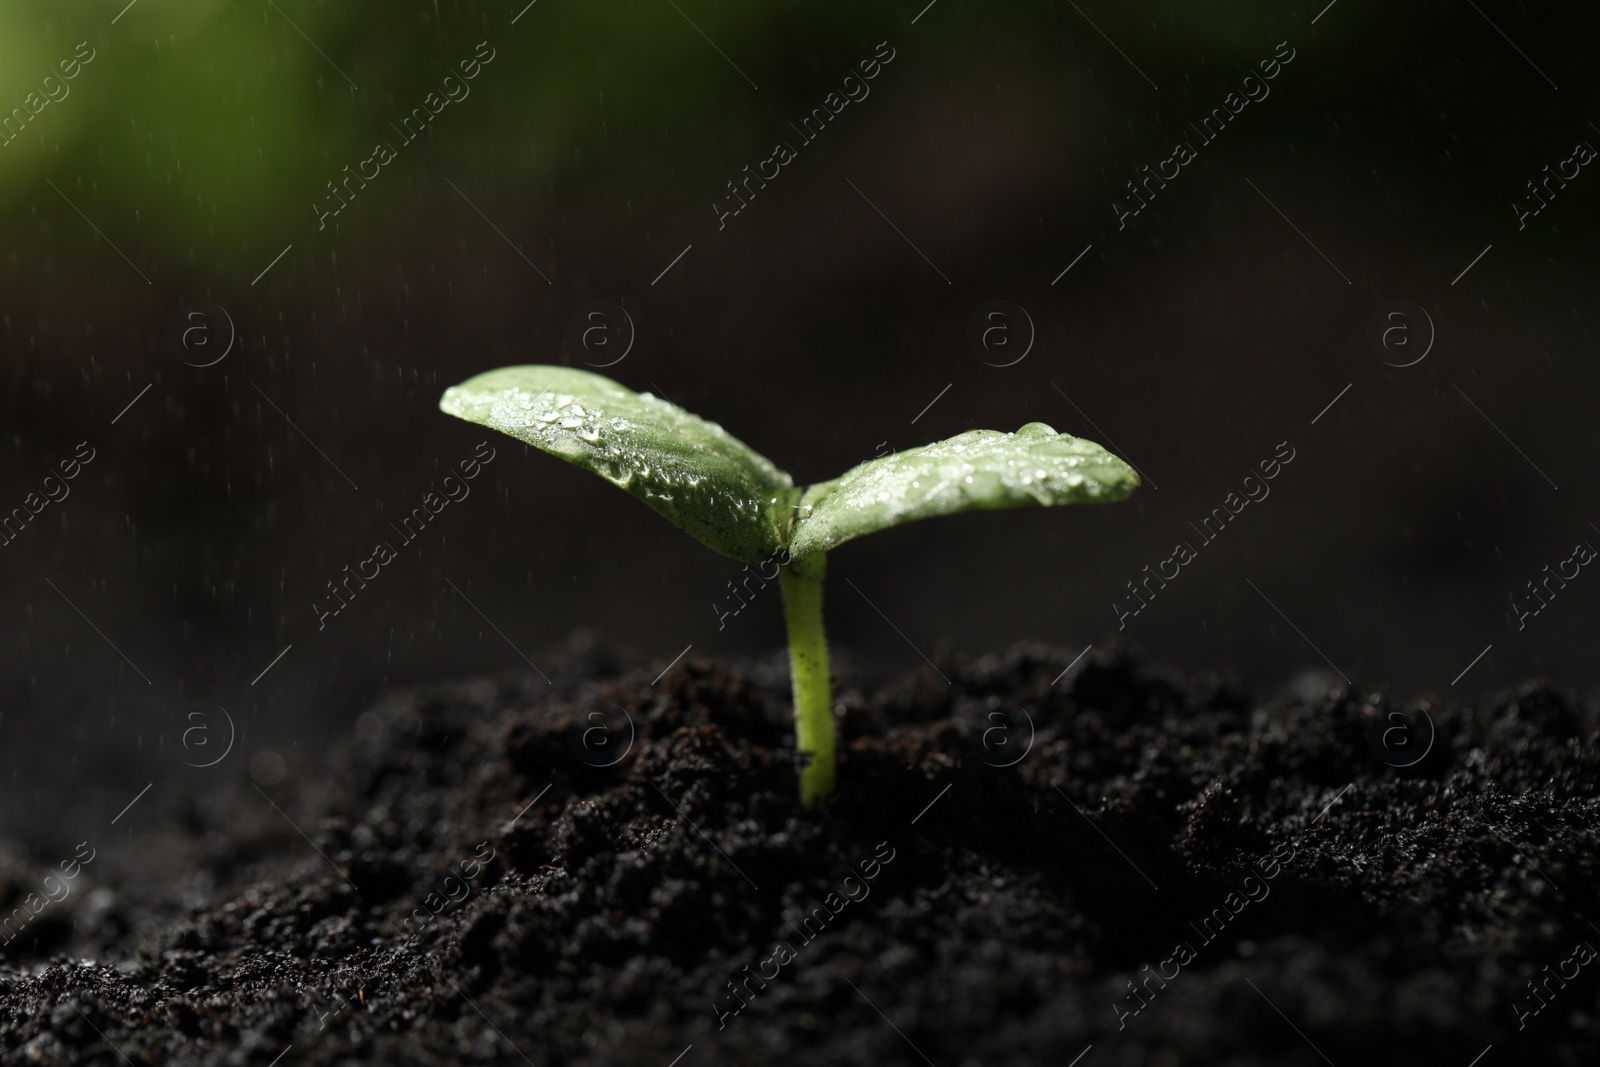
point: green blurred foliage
(204, 130)
(215, 123)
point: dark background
(1196, 339)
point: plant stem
(808, 669)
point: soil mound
(601, 871)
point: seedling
(733, 499)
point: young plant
(734, 500)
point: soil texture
(601, 871)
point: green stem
(808, 667)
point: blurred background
(257, 376)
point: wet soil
(1173, 871)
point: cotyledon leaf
(692, 472)
(973, 471)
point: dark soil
(1358, 913)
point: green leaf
(974, 471)
(692, 472)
